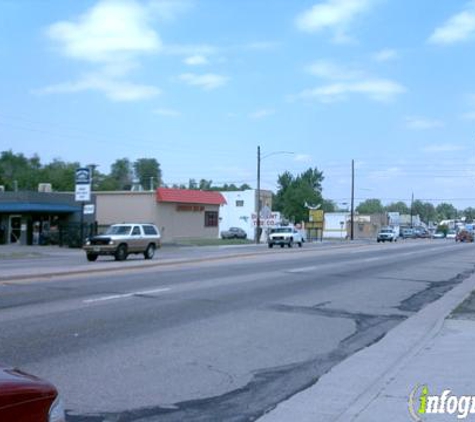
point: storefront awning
(18, 207)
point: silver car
(120, 240)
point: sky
(200, 84)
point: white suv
(120, 240)
(387, 234)
(284, 236)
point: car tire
(121, 253)
(282, 245)
(149, 252)
(91, 257)
(300, 244)
(270, 245)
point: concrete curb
(349, 388)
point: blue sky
(199, 84)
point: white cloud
(196, 60)
(112, 35)
(116, 90)
(385, 55)
(190, 50)
(458, 28)
(443, 148)
(261, 46)
(207, 81)
(169, 9)
(110, 31)
(336, 15)
(261, 114)
(346, 81)
(328, 70)
(389, 173)
(423, 123)
(376, 89)
(166, 112)
(303, 158)
(469, 116)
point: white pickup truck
(284, 236)
(387, 234)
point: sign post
(83, 193)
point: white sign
(83, 193)
(89, 209)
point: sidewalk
(433, 348)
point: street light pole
(258, 207)
(352, 214)
(258, 226)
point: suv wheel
(121, 253)
(150, 251)
(91, 257)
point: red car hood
(18, 387)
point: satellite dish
(312, 207)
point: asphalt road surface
(217, 341)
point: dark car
(234, 233)
(26, 398)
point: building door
(14, 229)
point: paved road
(217, 341)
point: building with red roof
(179, 213)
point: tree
(18, 171)
(399, 207)
(446, 211)
(148, 172)
(469, 214)
(370, 206)
(328, 205)
(60, 174)
(121, 172)
(425, 210)
(295, 192)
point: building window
(211, 219)
(239, 203)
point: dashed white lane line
(303, 269)
(126, 295)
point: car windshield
(282, 230)
(386, 231)
(122, 230)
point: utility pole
(412, 205)
(352, 214)
(258, 225)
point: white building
(335, 226)
(240, 210)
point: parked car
(26, 398)
(451, 234)
(234, 233)
(438, 235)
(464, 236)
(284, 236)
(120, 240)
(408, 233)
(386, 234)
